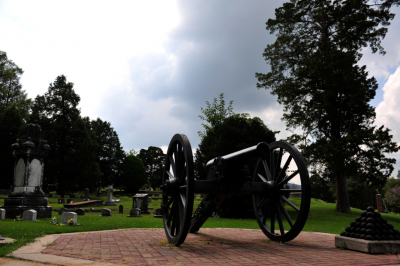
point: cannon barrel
(246, 155)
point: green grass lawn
(322, 218)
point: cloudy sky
(148, 66)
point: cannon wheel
(178, 189)
(270, 207)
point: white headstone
(35, 173)
(66, 216)
(19, 173)
(29, 215)
(2, 214)
(77, 196)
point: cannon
(273, 165)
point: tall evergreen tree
(315, 75)
(72, 162)
(109, 153)
(153, 159)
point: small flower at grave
(17, 218)
(71, 221)
(54, 220)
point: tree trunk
(342, 196)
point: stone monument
(30, 152)
(99, 190)
(86, 195)
(109, 201)
(140, 201)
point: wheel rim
(276, 221)
(178, 194)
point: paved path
(208, 247)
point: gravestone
(80, 211)
(66, 196)
(30, 152)
(29, 215)
(135, 213)
(86, 195)
(140, 201)
(121, 209)
(2, 214)
(66, 216)
(55, 196)
(157, 213)
(150, 200)
(99, 190)
(105, 212)
(62, 210)
(109, 201)
(77, 196)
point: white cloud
(388, 112)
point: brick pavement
(209, 247)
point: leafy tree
(231, 133)
(391, 183)
(11, 124)
(11, 93)
(133, 174)
(14, 110)
(153, 159)
(72, 161)
(315, 75)
(393, 199)
(108, 150)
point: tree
(321, 188)
(11, 124)
(133, 174)
(72, 161)
(11, 93)
(14, 110)
(324, 93)
(108, 150)
(153, 159)
(225, 133)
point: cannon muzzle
(246, 155)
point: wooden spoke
(278, 163)
(283, 171)
(262, 178)
(288, 179)
(183, 200)
(172, 164)
(285, 213)
(169, 202)
(170, 175)
(262, 203)
(278, 214)
(173, 225)
(182, 175)
(266, 169)
(290, 203)
(272, 217)
(265, 213)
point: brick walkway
(209, 247)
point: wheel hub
(172, 187)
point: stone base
(109, 204)
(130, 216)
(42, 211)
(368, 246)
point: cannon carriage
(231, 175)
